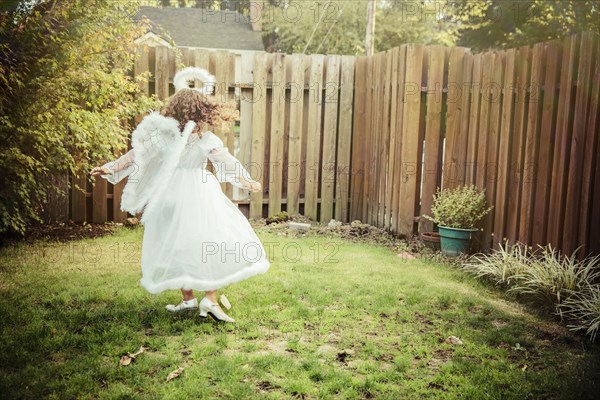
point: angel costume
(194, 236)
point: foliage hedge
(65, 89)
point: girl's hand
(97, 171)
(251, 185)
(255, 186)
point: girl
(194, 236)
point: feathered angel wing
(158, 144)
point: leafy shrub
(65, 87)
(461, 207)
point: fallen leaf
(406, 255)
(225, 302)
(524, 368)
(174, 374)
(186, 352)
(140, 351)
(454, 340)
(125, 361)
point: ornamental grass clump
(567, 286)
(461, 207)
(583, 310)
(502, 267)
(552, 278)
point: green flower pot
(455, 241)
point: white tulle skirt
(196, 238)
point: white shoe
(183, 306)
(208, 307)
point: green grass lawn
(330, 319)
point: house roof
(198, 27)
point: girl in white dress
(195, 238)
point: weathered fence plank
(453, 118)
(331, 100)
(575, 177)
(314, 137)
(589, 236)
(277, 135)
(547, 136)
(384, 211)
(471, 164)
(357, 163)
(344, 141)
(433, 133)
(161, 77)
(490, 169)
(563, 142)
(368, 141)
(518, 143)
(259, 111)
(504, 147)
(295, 134)
(392, 170)
(399, 122)
(410, 139)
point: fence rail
(372, 138)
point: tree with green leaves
(241, 6)
(506, 24)
(338, 27)
(65, 89)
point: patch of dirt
(356, 231)
(549, 335)
(439, 357)
(57, 358)
(344, 355)
(422, 319)
(63, 232)
(326, 349)
(475, 360)
(385, 357)
(278, 347)
(266, 386)
(436, 386)
(499, 324)
(475, 309)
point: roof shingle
(198, 27)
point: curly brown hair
(191, 105)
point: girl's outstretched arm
(116, 171)
(227, 167)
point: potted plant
(456, 211)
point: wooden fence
(521, 124)
(294, 136)
(371, 138)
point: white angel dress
(194, 236)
